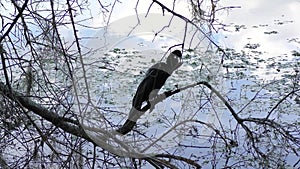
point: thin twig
(280, 101)
(192, 23)
(15, 20)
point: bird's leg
(133, 116)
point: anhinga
(148, 89)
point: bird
(149, 87)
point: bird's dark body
(154, 79)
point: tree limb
(128, 126)
(45, 113)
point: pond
(251, 83)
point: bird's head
(174, 59)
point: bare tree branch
(15, 20)
(52, 117)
